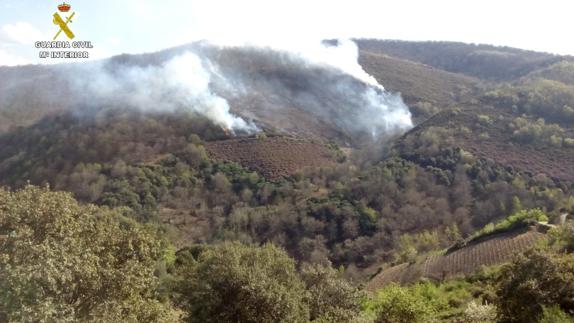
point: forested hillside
(168, 216)
(491, 63)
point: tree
(395, 304)
(554, 314)
(562, 237)
(61, 261)
(330, 298)
(534, 281)
(237, 283)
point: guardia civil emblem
(58, 20)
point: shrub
(562, 237)
(395, 304)
(533, 281)
(236, 283)
(518, 219)
(61, 261)
(521, 217)
(553, 314)
(480, 313)
(330, 298)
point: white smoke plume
(183, 81)
(323, 79)
(306, 88)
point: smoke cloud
(322, 79)
(181, 82)
(315, 89)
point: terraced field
(493, 250)
(272, 157)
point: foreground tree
(232, 282)
(236, 283)
(396, 304)
(61, 261)
(534, 281)
(330, 299)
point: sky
(137, 26)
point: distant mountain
(486, 62)
(418, 82)
(239, 88)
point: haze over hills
(235, 87)
(373, 158)
(264, 90)
(486, 62)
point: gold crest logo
(64, 7)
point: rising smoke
(315, 88)
(181, 82)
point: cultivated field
(272, 157)
(494, 250)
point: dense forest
(119, 215)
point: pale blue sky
(135, 26)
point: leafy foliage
(394, 304)
(516, 220)
(330, 299)
(554, 314)
(543, 98)
(348, 214)
(533, 281)
(480, 313)
(237, 283)
(62, 261)
(562, 238)
(525, 131)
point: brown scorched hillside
(272, 157)
(488, 133)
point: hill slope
(273, 157)
(242, 89)
(492, 250)
(485, 62)
(493, 134)
(417, 82)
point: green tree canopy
(232, 282)
(236, 283)
(330, 299)
(61, 261)
(534, 281)
(394, 304)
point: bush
(518, 219)
(554, 314)
(330, 298)
(61, 261)
(236, 283)
(395, 304)
(526, 131)
(563, 237)
(480, 313)
(534, 281)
